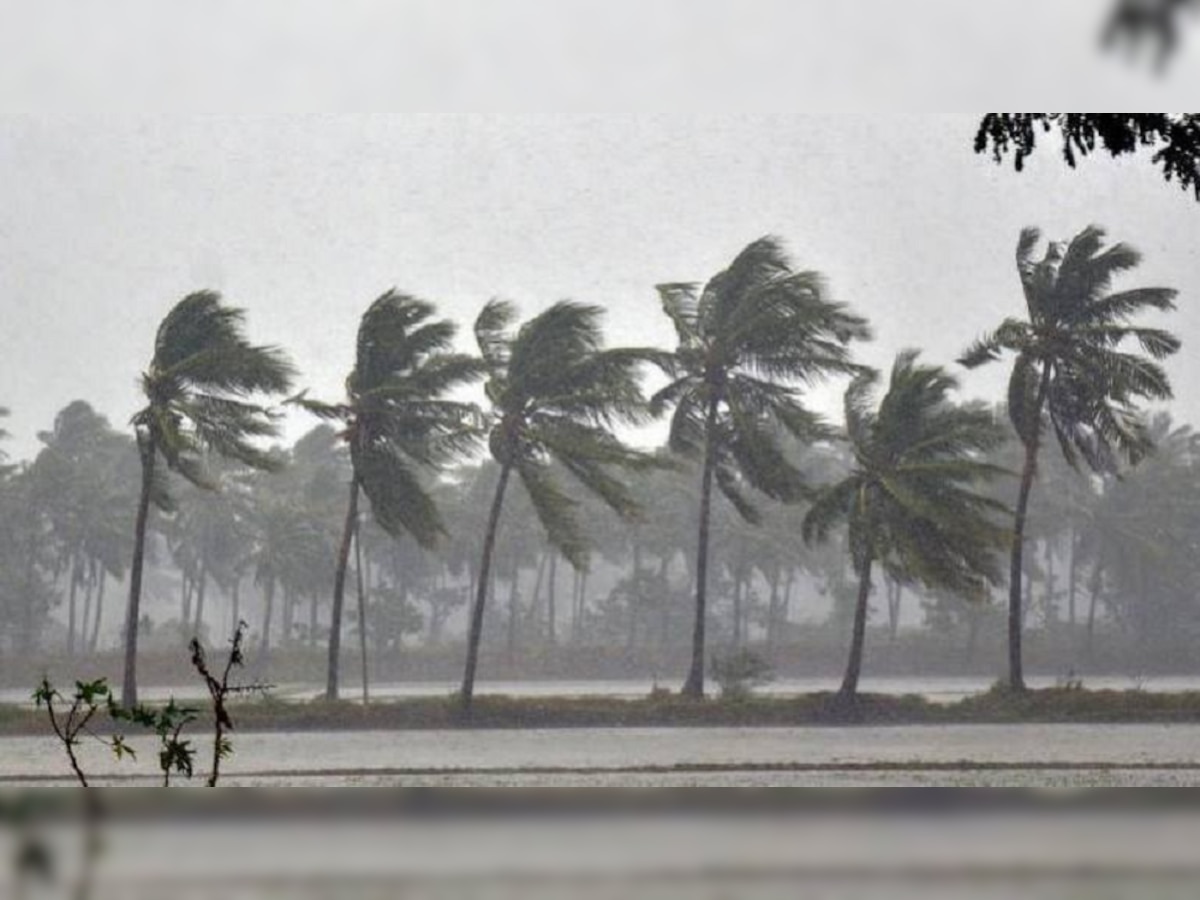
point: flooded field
(1030, 754)
(943, 689)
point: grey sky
(105, 222)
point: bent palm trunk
(98, 613)
(1016, 677)
(694, 686)
(467, 692)
(339, 593)
(129, 696)
(858, 635)
(362, 608)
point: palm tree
(199, 390)
(1069, 369)
(909, 499)
(555, 395)
(398, 425)
(749, 340)
(81, 466)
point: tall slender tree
(400, 426)
(910, 498)
(1071, 373)
(555, 396)
(750, 340)
(200, 392)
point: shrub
(739, 673)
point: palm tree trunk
(1016, 675)
(362, 608)
(264, 645)
(236, 601)
(98, 613)
(895, 593)
(538, 582)
(485, 568)
(201, 590)
(85, 620)
(185, 600)
(133, 612)
(289, 617)
(71, 607)
(339, 593)
(1094, 590)
(858, 635)
(694, 685)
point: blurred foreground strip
(614, 843)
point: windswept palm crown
(555, 396)
(1070, 359)
(1072, 368)
(400, 428)
(750, 341)
(201, 385)
(396, 418)
(200, 390)
(910, 500)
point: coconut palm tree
(909, 499)
(555, 394)
(82, 466)
(200, 390)
(749, 341)
(399, 426)
(1071, 372)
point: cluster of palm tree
(911, 486)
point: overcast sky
(106, 221)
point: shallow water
(939, 690)
(1049, 754)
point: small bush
(739, 673)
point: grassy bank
(670, 710)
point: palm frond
(831, 507)
(681, 304)
(400, 499)
(1012, 335)
(556, 511)
(731, 489)
(329, 411)
(491, 332)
